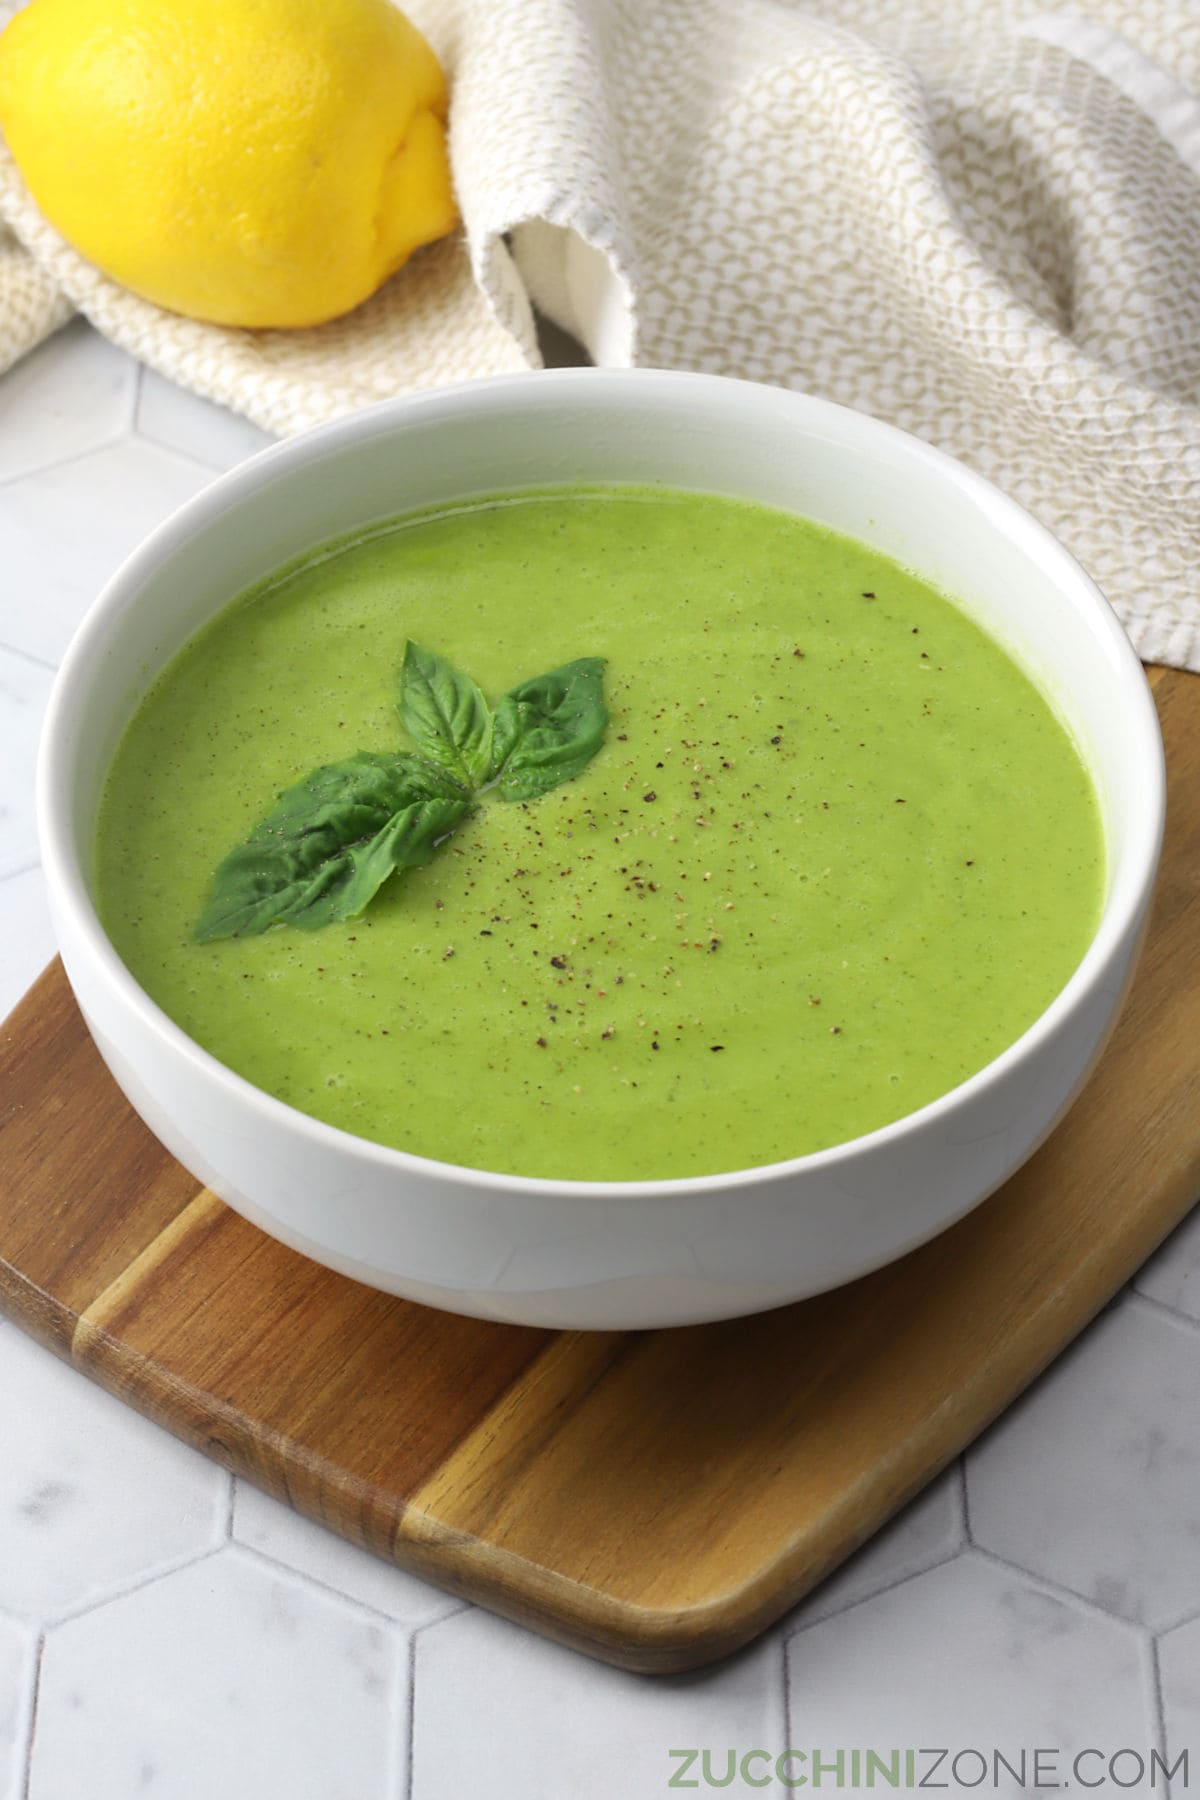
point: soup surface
(835, 853)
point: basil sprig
(330, 842)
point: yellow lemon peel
(248, 162)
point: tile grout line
(964, 1494)
(313, 1582)
(1164, 1308)
(1177, 1621)
(410, 1713)
(888, 1587)
(30, 656)
(120, 436)
(147, 435)
(1061, 1591)
(786, 1649)
(123, 437)
(787, 1692)
(122, 1591)
(1158, 1723)
(416, 1632)
(192, 456)
(11, 872)
(31, 1734)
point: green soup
(836, 853)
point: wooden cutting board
(654, 1498)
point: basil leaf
(407, 841)
(330, 842)
(446, 715)
(548, 729)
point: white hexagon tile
(26, 940)
(73, 393)
(222, 1679)
(969, 1656)
(93, 1499)
(1093, 1479)
(500, 1712)
(164, 1631)
(65, 529)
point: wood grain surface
(655, 1499)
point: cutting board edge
(628, 1635)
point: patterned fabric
(981, 222)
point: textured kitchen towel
(980, 221)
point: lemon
(250, 162)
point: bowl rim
(68, 886)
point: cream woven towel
(981, 221)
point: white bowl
(605, 1254)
